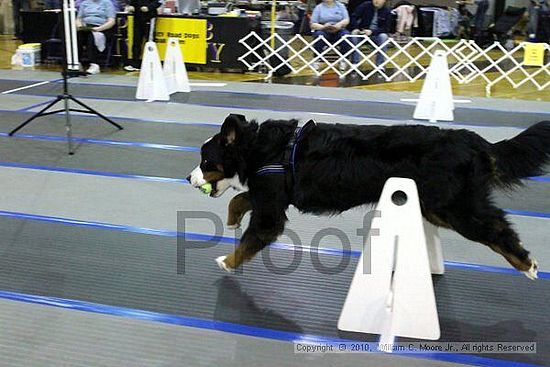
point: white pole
(71, 43)
(151, 30)
(74, 39)
(67, 29)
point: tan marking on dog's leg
(238, 207)
(529, 267)
(242, 254)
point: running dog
(329, 168)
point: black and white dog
(329, 168)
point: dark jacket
(354, 4)
(153, 5)
(362, 18)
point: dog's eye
(205, 161)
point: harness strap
(288, 164)
(271, 169)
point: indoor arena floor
(91, 275)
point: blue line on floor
(522, 213)
(540, 178)
(105, 142)
(94, 173)
(124, 119)
(218, 124)
(544, 179)
(152, 145)
(233, 328)
(382, 118)
(26, 109)
(215, 125)
(192, 236)
(526, 213)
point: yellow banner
(534, 54)
(191, 34)
(130, 35)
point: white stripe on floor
(25, 87)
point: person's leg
(356, 55)
(16, 6)
(344, 45)
(91, 49)
(146, 28)
(379, 40)
(320, 45)
(88, 49)
(533, 20)
(139, 35)
(82, 41)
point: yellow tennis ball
(206, 188)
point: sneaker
(93, 69)
(130, 68)
(316, 65)
(343, 65)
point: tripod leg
(68, 126)
(97, 113)
(38, 114)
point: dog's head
(222, 162)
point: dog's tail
(523, 156)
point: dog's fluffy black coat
(342, 166)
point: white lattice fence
(468, 61)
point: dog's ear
(232, 128)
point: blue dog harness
(288, 164)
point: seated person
(118, 4)
(372, 19)
(93, 19)
(329, 20)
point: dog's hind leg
(488, 225)
(261, 232)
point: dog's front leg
(238, 207)
(263, 230)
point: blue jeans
(378, 40)
(331, 38)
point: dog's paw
(533, 271)
(222, 265)
(233, 226)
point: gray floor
(294, 102)
(72, 338)
(154, 205)
(139, 272)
